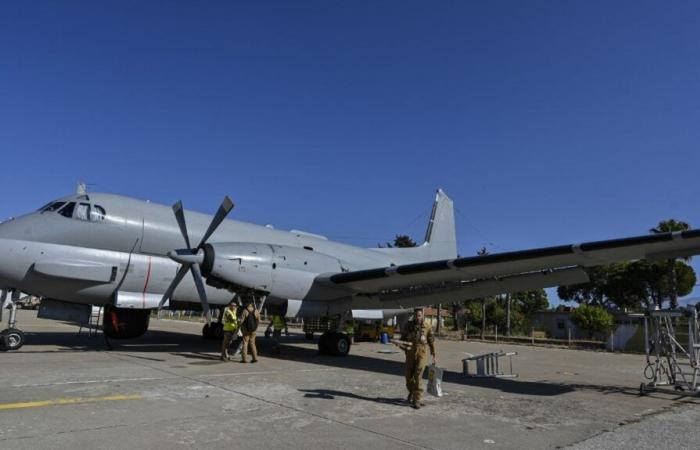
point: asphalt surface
(169, 390)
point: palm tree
(670, 226)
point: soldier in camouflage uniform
(417, 338)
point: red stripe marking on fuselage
(145, 286)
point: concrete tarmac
(169, 390)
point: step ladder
(670, 364)
(94, 324)
(488, 365)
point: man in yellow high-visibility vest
(230, 321)
(278, 324)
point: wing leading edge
(460, 271)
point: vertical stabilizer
(441, 237)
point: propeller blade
(197, 275)
(224, 209)
(180, 217)
(168, 292)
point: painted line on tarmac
(206, 375)
(66, 401)
(110, 380)
(267, 372)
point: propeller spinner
(191, 258)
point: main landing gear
(334, 343)
(11, 338)
(214, 331)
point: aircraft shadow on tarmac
(204, 352)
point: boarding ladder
(94, 324)
(668, 362)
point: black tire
(217, 330)
(336, 344)
(308, 336)
(323, 341)
(11, 339)
(206, 332)
(339, 344)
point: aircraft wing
(477, 276)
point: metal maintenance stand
(670, 365)
(488, 365)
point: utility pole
(508, 300)
(483, 318)
(483, 252)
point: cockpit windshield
(80, 211)
(67, 211)
(53, 206)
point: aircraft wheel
(336, 344)
(212, 331)
(340, 344)
(217, 331)
(323, 340)
(11, 339)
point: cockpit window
(67, 211)
(53, 206)
(97, 214)
(82, 211)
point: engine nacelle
(280, 271)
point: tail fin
(441, 237)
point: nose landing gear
(10, 338)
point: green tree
(530, 302)
(668, 226)
(592, 318)
(403, 240)
(637, 284)
(591, 293)
(484, 300)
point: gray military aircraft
(133, 256)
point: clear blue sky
(547, 122)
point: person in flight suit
(249, 324)
(417, 338)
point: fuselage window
(82, 212)
(67, 211)
(97, 214)
(52, 206)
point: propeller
(190, 258)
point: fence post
(569, 333)
(612, 341)
(532, 334)
(496, 333)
